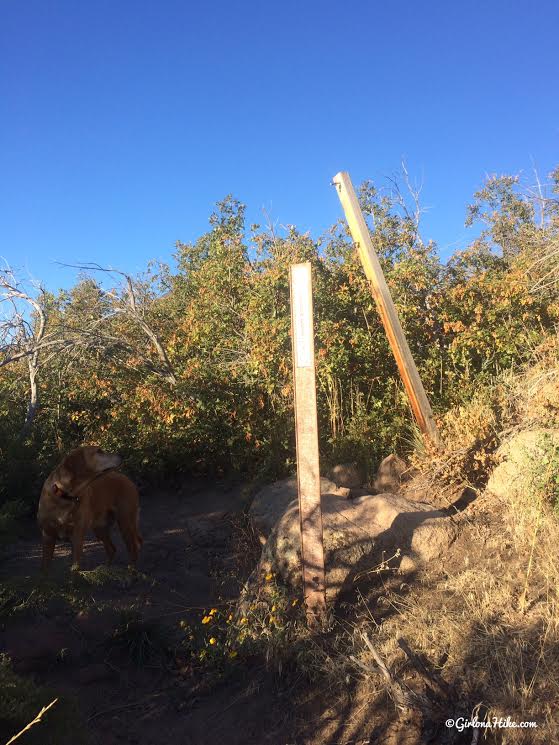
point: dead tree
(126, 303)
(23, 332)
(26, 336)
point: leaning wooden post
(306, 432)
(385, 305)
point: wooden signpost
(306, 430)
(385, 305)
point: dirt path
(188, 565)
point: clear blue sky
(122, 122)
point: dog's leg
(48, 551)
(78, 537)
(130, 537)
(103, 534)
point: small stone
(407, 565)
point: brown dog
(84, 493)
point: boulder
(523, 460)
(392, 472)
(271, 502)
(358, 535)
(348, 475)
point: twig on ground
(131, 705)
(37, 719)
(403, 697)
(428, 675)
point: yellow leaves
(456, 326)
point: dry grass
(486, 619)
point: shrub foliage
(188, 367)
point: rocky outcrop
(271, 502)
(391, 474)
(524, 458)
(348, 475)
(356, 533)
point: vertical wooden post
(306, 431)
(385, 305)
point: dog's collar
(69, 497)
(75, 496)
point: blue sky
(121, 123)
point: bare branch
(126, 303)
(22, 337)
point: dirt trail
(187, 566)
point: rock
(522, 464)
(390, 475)
(271, 502)
(347, 475)
(355, 535)
(407, 565)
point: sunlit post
(306, 429)
(387, 311)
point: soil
(191, 561)
(189, 564)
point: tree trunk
(33, 397)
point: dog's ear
(57, 490)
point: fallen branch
(130, 705)
(431, 678)
(37, 719)
(403, 697)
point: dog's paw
(75, 568)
